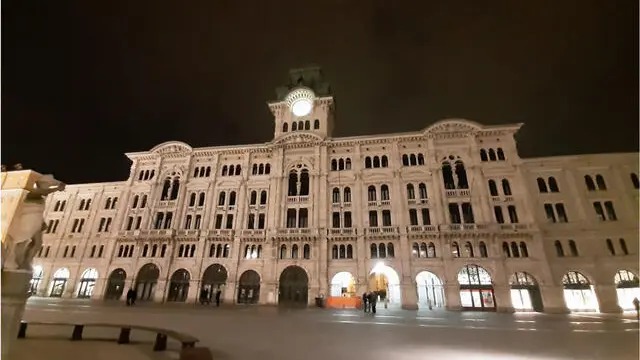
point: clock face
(301, 107)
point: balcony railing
(422, 228)
(341, 231)
(167, 203)
(297, 199)
(382, 230)
(458, 193)
(297, 231)
(254, 232)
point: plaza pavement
(259, 332)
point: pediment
(450, 126)
(299, 138)
(171, 147)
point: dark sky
(91, 80)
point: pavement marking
(525, 321)
(389, 316)
(473, 319)
(428, 318)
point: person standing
(636, 304)
(373, 299)
(129, 296)
(218, 293)
(365, 301)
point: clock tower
(305, 104)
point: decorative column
(23, 199)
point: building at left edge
(448, 216)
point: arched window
(573, 248)
(431, 250)
(422, 188)
(294, 250)
(343, 251)
(500, 154)
(553, 185)
(382, 251)
(307, 125)
(306, 251)
(376, 162)
(405, 160)
(347, 164)
(367, 162)
(461, 174)
(524, 252)
(283, 251)
(492, 155)
(413, 160)
(208, 171)
(192, 199)
(623, 246)
(334, 252)
(455, 249)
(385, 161)
(145, 249)
(634, 180)
(612, 250)
(416, 250)
(316, 124)
(483, 249)
(238, 169)
(349, 251)
(384, 192)
(591, 186)
(341, 164)
(542, 185)
(493, 189)
(285, 127)
(468, 249)
(154, 250)
(410, 192)
(559, 249)
(515, 252)
(391, 252)
(334, 165)
(336, 195)
(254, 169)
(505, 249)
(304, 182)
(263, 197)
(483, 155)
(222, 198)
(371, 193)
(506, 187)
(347, 195)
(600, 182)
(420, 159)
(253, 198)
(374, 251)
(294, 126)
(201, 199)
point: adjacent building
(448, 216)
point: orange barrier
(339, 302)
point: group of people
(205, 297)
(369, 301)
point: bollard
(77, 332)
(124, 336)
(22, 333)
(161, 342)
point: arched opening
(36, 278)
(146, 281)
(343, 284)
(430, 290)
(578, 292)
(627, 288)
(87, 283)
(476, 289)
(115, 284)
(384, 282)
(214, 278)
(249, 288)
(179, 286)
(525, 292)
(294, 287)
(60, 278)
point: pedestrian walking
(218, 293)
(365, 301)
(636, 304)
(129, 296)
(373, 299)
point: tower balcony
(297, 233)
(381, 232)
(297, 199)
(457, 193)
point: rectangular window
(218, 224)
(386, 217)
(373, 219)
(454, 213)
(291, 218)
(426, 217)
(562, 214)
(229, 221)
(513, 214)
(75, 225)
(413, 217)
(548, 210)
(335, 220)
(611, 212)
(303, 218)
(467, 213)
(251, 221)
(497, 211)
(260, 221)
(347, 219)
(138, 222)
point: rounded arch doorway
(294, 287)
(59, 284)
(578, 293)
(249, 288)
(627, 288)
(384, 282)
(430, 290)
(87, 283)
(179, 286)
(146, 282)
(115, 284)
(343, 284)
(214, 278)
(525, 293)
(476, 289)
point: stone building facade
(449, 216)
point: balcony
(514, 228)
(254, 233)
(190, 233)
(128, 233)
(467, 229)
(379, 203)
(218, 233)
(506, 198)
(382, 232)
(297, 233)
(419, 231)
(341, 205)
(453, 193)
(418, 201)
(297, 199)
(167, 203)
(342, 232)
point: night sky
(87, 81)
